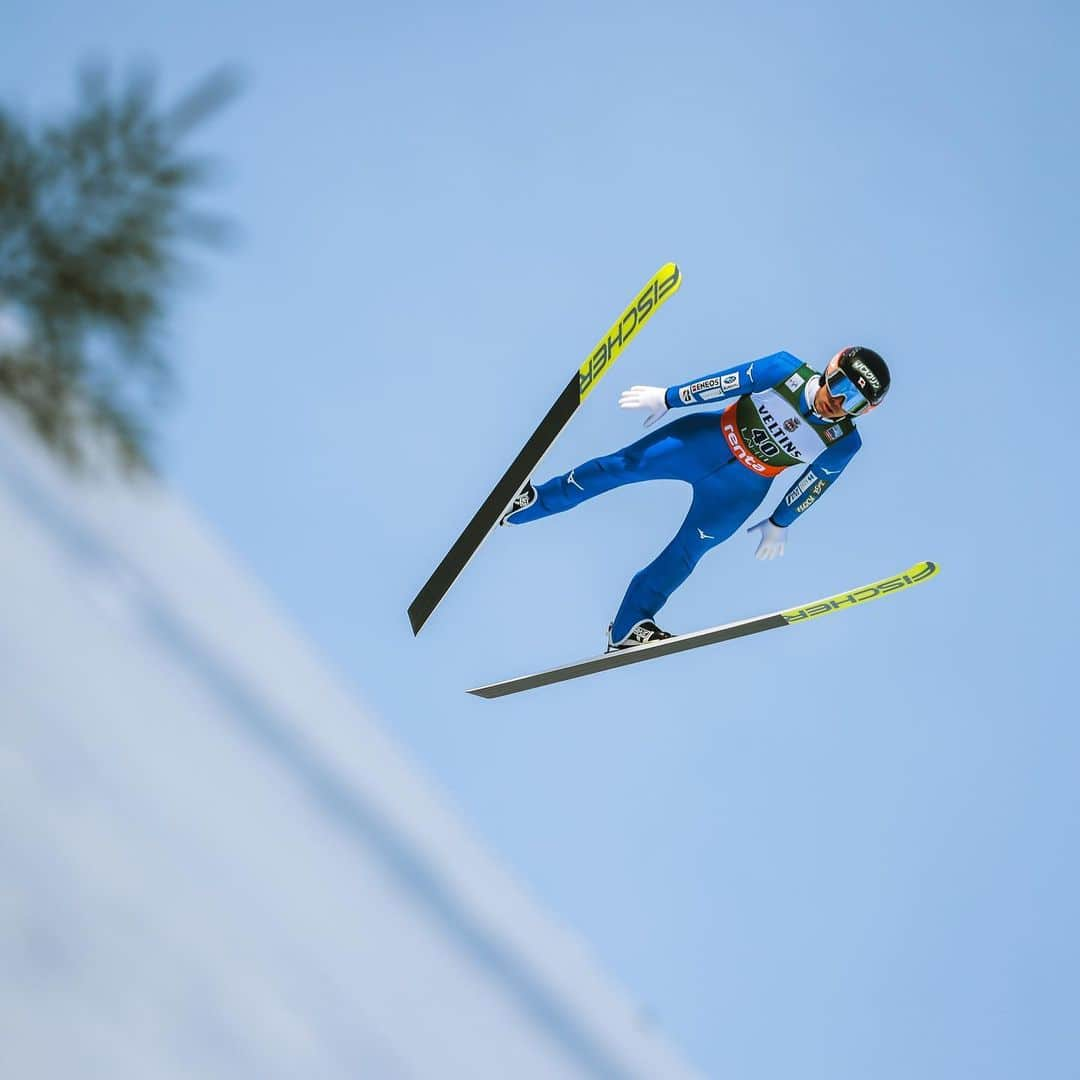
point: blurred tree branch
(94, 215)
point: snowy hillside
(214, 863)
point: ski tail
(660, 287)
(474, 534)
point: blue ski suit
(729, 459)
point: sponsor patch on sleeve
(729, 382)
(796, 492)
(704, 389)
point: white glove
(645, 397)
(773, 538)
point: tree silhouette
(94, 220)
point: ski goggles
(853, 399)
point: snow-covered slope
(212, 862)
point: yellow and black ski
(663, 284)
(920, 572)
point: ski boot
(643, 631)
(524, 498)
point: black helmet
(861, 378)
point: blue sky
(846, 850)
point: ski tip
(914, 575)
(670, 275)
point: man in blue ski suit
(780, 414)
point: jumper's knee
(686, 555)
(619, 463)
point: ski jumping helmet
(861, 379)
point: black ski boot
(524, 498)
(640, 633)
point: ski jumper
(728, 457)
